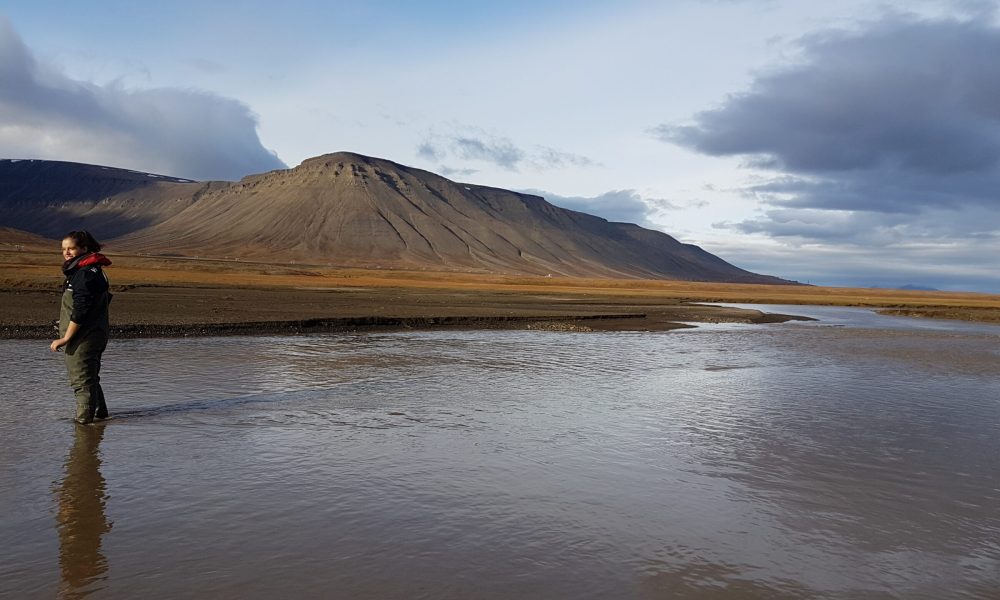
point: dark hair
(84, 240)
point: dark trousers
(83, 364)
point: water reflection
(729, 461)
(81, 518)
(704, 580)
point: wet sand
(156, 296)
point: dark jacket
(85, 294)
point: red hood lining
(94, 259)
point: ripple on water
(724, 462)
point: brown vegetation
(163, 293)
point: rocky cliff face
(350, 210)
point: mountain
(15, 239)
(348, 210)
(51, 198)
(910, 287)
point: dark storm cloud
(623, 206)
(881, 191)
(890, 118)
(477, 146)
(880, 153)
(45, 114)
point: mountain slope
(350, 210)
(16, 239)
(50, 198)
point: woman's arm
(87, 286)
(70, 332)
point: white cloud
(184, 133)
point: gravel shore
(178, 311)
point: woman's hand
(71, 330)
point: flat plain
(183, 296)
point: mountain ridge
(347, 209)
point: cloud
(872, 137)
(428, 151)
(500, 152)
(546, 158)
(475, 145)
(206, 66)
(985, 10)
(450, 172)
(971, 267)
(623, 206)
(184, 133)
(871, 229)
(908, 109)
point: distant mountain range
(911, 287)
(344, 209)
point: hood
(94, 258)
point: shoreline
(321, 325)
(574, 323)
(156, 297)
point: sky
(855, 144)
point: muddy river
(856, 456)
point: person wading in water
(83, 322)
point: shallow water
(853, 457)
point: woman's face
(70, 249)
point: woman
(83, 322)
